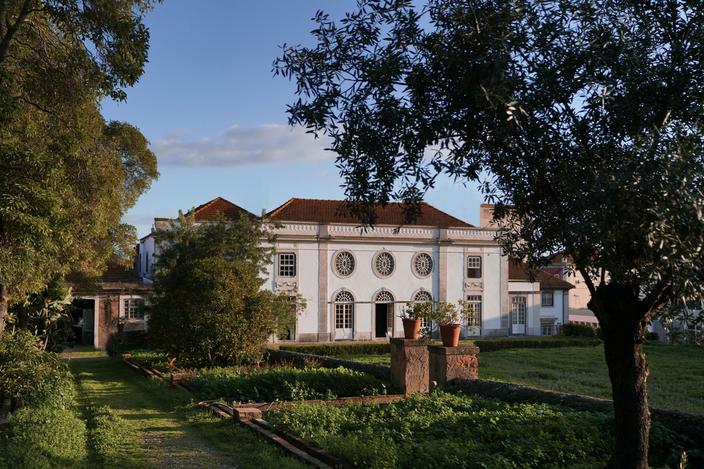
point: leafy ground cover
(44, 427)
(282, 383)
(676, 376)
(141, 422)
(455, 430)
(47, 432)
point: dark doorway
(82, 316)
(381, 319)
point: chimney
(486, 216)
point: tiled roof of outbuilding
(209, 211)
(337, 211)
(521, 272)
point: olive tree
(582, 121)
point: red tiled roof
(209, 211)
(116, 276)
(337, 211)
(520, 271)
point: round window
(344, 263)
(384, 264)
(423, 264)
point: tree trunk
(623, 323)
(3, 307)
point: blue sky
(215, 114)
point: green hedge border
(485, 345)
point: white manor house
(356, 282)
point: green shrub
(283, 384)
(48, 432)
(485, 345)
(491, 345)
(111, 438)
(25, 368)
(577, 330)
(347, 348)
(455, 430)
(124, 341)
(152, 358)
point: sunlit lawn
(171, 430)
(676, 378)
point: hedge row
(485, 345)
(336, 350)
(490, 345)
(48, 432)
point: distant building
(111, 303)
(356, 282)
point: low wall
(301, 359)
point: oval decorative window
(344, 263)
(384, 264)
(422, 264)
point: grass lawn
(169, 430)
(676, 378)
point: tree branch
(12, 29)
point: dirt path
(151, 408)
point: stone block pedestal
(449, 363)
(409, 365)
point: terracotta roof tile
(337, 211)
(520, 271)
(209, 211)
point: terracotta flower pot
(450, 335)
(411, 328)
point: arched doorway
(344, 315)
(383, 314)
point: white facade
(366, 302)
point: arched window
(344, 313)
(384, 297)
(423, 296)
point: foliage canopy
(66, 175)
(208, 306)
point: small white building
(356, 282)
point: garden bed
(457, 430)
(281, 383)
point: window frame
(126, 311)
(475, 301)
(518, 311)
(473, 271)
(334, 258)
(543, 297)
(344, 311)
(414, 266)
(293, 266)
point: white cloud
(264, 144)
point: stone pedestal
(409, 365)
(448, 363)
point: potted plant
(448, 317)
(411, 317)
